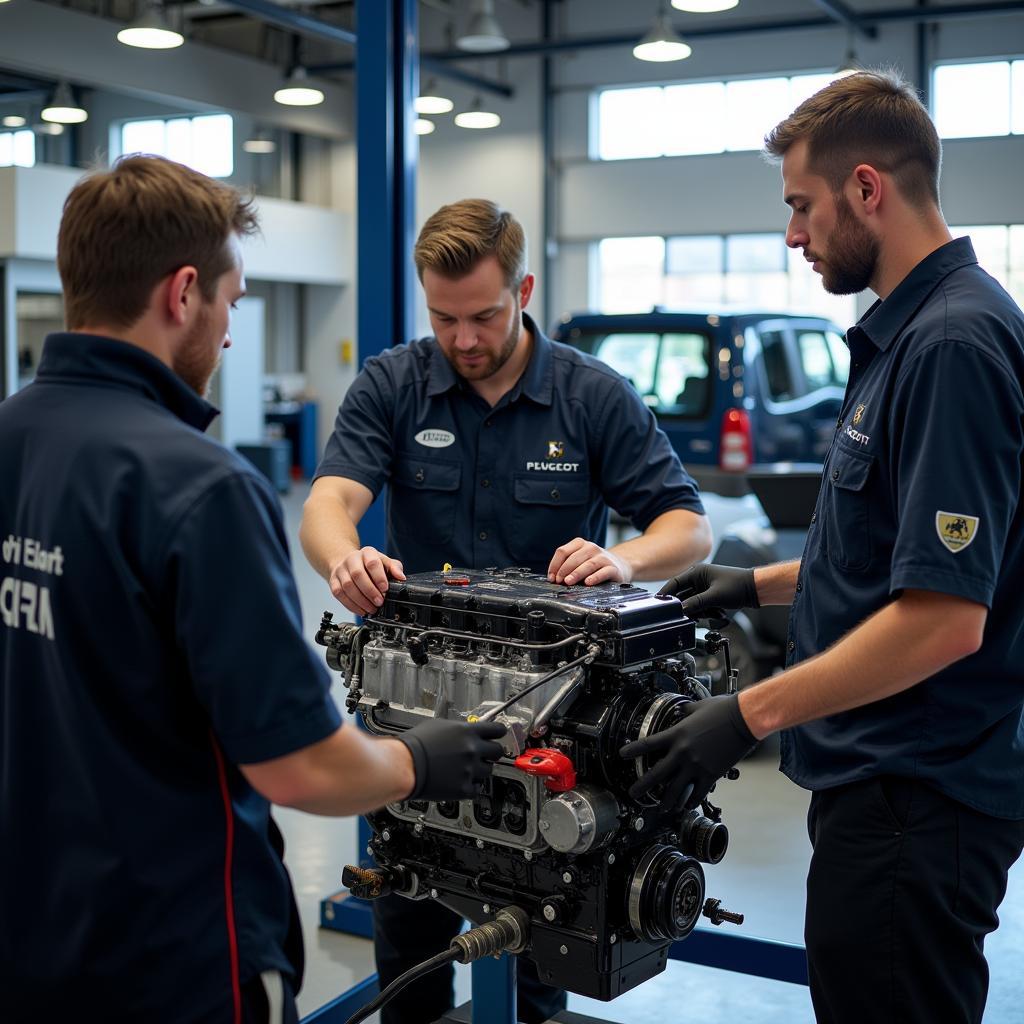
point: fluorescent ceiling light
(430, 102)
(48, 128)
(484, 33)
(423, 126)
(476, 117)
(13, 120)
(151, 32)
(259, 144)
(297, 92)
(662, 43)
(704, 6)
(63, 109)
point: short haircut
(872, 117)
(125, 229)
(456, 238)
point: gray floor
(762, 876)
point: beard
(492, 361)
(197, 359)
(852, 254)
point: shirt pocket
(424, 496)
(849, 509)
(546, 511)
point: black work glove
(708, 586)
(697, 751)
(451, 759)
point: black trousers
(903, 887)
(406, 933)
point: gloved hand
(451, 759)
(697, 751)
(707, 586)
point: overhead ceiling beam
(851, 19)
(434, 66)
(295, 21)
(750, 27)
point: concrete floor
(762, 876)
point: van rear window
(671, 370)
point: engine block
(574, 673)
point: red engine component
(558, 769)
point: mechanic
(156, 688)
(902, 706)
(496, 444)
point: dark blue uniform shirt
(150, 641)
(922, 490)
(475, 485)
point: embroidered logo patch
(858, 415)
(556, 449)
(436, 438)
(955, 530)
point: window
(698, 117)
(203, 143)
(981, 99)
(632, 355)
(1000, 251)
(753, 271)
(776, 366)
(17, 149)
(816, 360)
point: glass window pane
(6, 149)
(632, 355)
(972, 100)
(630, 123)
(840, 357)
(991, 245)
(684, 385)
(25, 149)
(755, 252)
(144, 137)
(213, 145)
(1017, 246)
(700, 254)
(694, 119)
(802, 87)
(694, 290)
(752, 109)
(814, 357)
(806, 295)
(179, 141)
(765, 291)
(631, 271)
(776, 366)
(1017, 98)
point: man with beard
(146, 724)
(903, 706)
(496, 444)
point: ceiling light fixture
(48, 128)
(63, 109)
(430, 101)
(484, 33)
(423, 126)
(662, 43)
(13, 120)
(259, 143)
(151, 31)
(297, 92)
(476, 117)
(704, 6)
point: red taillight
(736, 450)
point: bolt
(386, 836)
(418, 829)
(369, 851)
(433, 894)
(612, 939)
(479, 844)
(564, 950)
(639, 824)
(567, 877)
(549, 912)
(545, 825)
(487, 908)
(611, 858)
(528, 854)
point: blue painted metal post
(494, 990)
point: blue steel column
(387, 83)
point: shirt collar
(887, 317)
(122, 364)
(536, 382)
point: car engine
(606, 883)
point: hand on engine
(584, 561)
(450, 758)
(707, 586)
(696, 752)
(360, 580)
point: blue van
(731, 390)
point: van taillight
(735, 451)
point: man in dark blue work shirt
(499, 447)
(904, 700)
(156, 690)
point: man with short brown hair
(157, 691)
(902, 708)
(499, 447)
